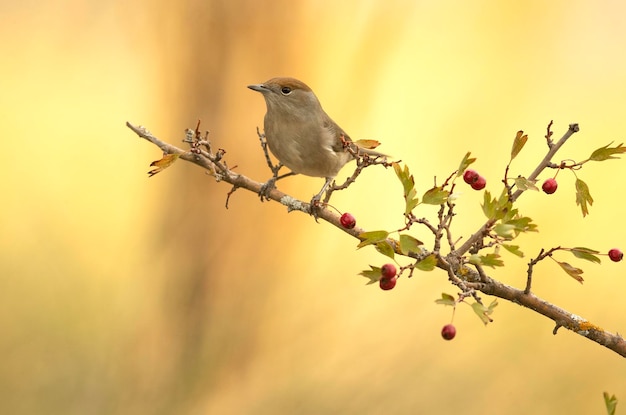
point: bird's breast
(305, 147)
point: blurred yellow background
(121, 294)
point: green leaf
(505, 230)
(410, 205)
(586, 253)
(489, 205)
(518, 143)
(372, 237)
(583, 196)
(523, 183)
(385, 248)
(523, 224)
(610, 402)
(572, 271)
(408, 244)
(405, 177)
(514, 249)
(491, 260)
(427, 264)
(606, 152)
(474, 259)
(496, 208)
(408, 186)
(512, 224)
(372, 274)
(465, 163)
(484, 312)
(435, 196)
(446, 299)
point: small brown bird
(301, 135)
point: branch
(238, 181)
(546, 162)
(468, 280)
(561, 317)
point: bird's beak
(259, 88)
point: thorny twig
(362, 161)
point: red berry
(480, 183)
(549, 186)
(347, 221)
(387, 283)
(616, 255)
(470, 176)
(448, 332)
(388, 271)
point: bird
(302, 136)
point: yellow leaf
(367, 144)
(164, 163)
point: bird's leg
(315, 202)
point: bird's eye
(285, 90)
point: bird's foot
(316, 207)
(316, 204)
(266, 188)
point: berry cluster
(474, 179)
(388, 277)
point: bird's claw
(316, 207)
(266, 188)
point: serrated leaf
(427, 264)
(586, 253)
(367, 144)
(523, 183)
(522, 224)
(435, 196)
(372, 274)
(505, 230)
(474, 259)
(510, 215)
(405, 177)
(410, 205)
(496, 208)
(408, 186)
(572, 271)
(583, 197)
(409, 244)
(489, 205)
(606, 152)
(465, 163)
(518, 143)
(514, 249)
(484, 312)
(610, 402)
(491, 260)
(372, 237)
(503, 205)
(446, 299)
(385, 248)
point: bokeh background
(121, 294)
